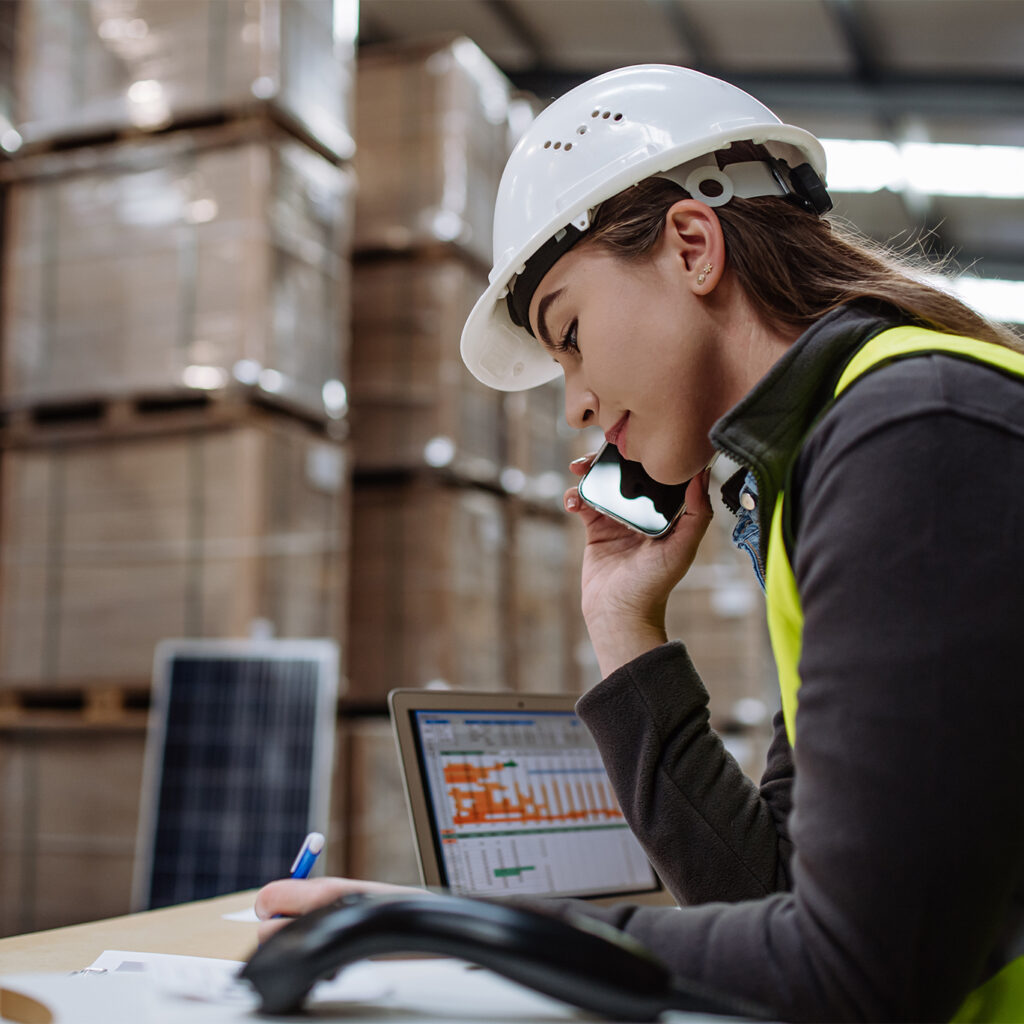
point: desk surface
(195, 929)
(445, 991)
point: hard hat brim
(500, 354)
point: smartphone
(621, 488)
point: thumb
(698, 496)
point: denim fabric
(746, 534)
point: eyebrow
(542, 326)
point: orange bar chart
(487, 791)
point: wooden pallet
(94, 417)
(255, 121)
(47, 708)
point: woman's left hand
(627, 577)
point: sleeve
(707, 829)
(907, 823)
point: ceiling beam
(860, 45)
(689, 35)
(517, 27)
(863, 47)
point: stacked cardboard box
(441, 592)
(192, 260)
(115, 542)
(545, 603)
(428, 588)
(414, 403)
(69, 809)
(176, 302)
(7, 140)
(379, 839)
(87, 67)
(540, 445)
(436, 124)
(68, 818)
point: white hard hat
(592, 143)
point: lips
(617, 435)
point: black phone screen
(622, 489)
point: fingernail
(580, 460)
(572, 502)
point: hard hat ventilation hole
(558, 145)
(582, 130)
(604, 115)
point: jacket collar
(764, 430)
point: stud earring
(703, 275)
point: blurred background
(239, 240)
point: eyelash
(568, 341)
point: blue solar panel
(238, 765)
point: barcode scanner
(580, 961)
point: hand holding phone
(622, 489)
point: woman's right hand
(286, 898)
(627, 577)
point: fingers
(580, 466)
(571, 500)
(268, 928)
(698, 495)
(293, 896)
(278, 902)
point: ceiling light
(931, 168)
(999, 300)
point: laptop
(508, 796)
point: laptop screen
(519, 802)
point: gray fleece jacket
(877, 873)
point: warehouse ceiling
(905, 71)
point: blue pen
(307, 855)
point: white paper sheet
(153, 988)
(242, 915)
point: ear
(693, 234)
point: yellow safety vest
(1001, 998)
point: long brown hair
(793, 265)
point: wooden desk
(193, 929)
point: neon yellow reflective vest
(1001, 998)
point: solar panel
(238, 764)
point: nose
(580, 403)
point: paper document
(242, 915)
(156, 988)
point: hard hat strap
(749, 179)
(715, 187)
(523, 285)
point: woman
(660, 240)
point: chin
(667, 475)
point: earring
(703, 275)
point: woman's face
(639, 353)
